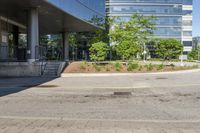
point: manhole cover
(122, 93)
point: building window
(187, 43)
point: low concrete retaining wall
(20, 69)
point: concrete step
(52, 64)
(45, 72)
(51, 69)
(47, 66)
(50, 75)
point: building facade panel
(173, 17)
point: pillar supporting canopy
(33, 34)
(65, 37)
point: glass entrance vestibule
(14, 44)
(13, 41)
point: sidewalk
(47, 125)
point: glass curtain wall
(88, 10)
(169, 14)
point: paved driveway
(160, 103)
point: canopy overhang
(52, 19)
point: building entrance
(54, 53)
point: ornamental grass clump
(118, 66)
(160, 67)
(149, 67)
(83, 65)
(132, 66)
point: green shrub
(149, 67)
(132, 66)
(97, 68)
(83, 65)
(98, 51)
(118, 66)
(140, 68)
(160, 67)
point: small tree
(128, 50)
(168, 48)
(73, 43)
(98, 51)
(195, 53)
(130, 35)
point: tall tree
(129, 36)
(101, 35)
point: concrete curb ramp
(125, 74)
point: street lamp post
(182, 59)
(144, 52)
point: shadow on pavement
(14, 85)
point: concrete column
(65, 37)
(0, 32)
(33, 34)
(16, 40)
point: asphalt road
(160, 103)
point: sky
(196, 18)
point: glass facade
(173, 17)
(88, 10)
(185, 2)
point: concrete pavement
(161, 103)
(28, 125)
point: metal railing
(40, 53)
(41, 56)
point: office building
(32, 18)
(173, 17)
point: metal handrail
(41, 52)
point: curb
(65, 75)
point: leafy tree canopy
(195, 53)
(130, 35)
(73, 39)
(128, 49)
(98, 51)
(102, 34)
(168, 48)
